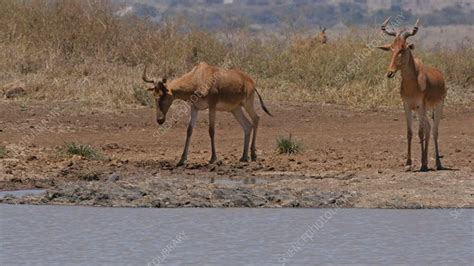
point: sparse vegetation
(3, 152)
(83, 150)
(81, 51)
(142, 96)
(288, 145)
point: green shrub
(3, 152)
(288, 145)
(83, 150)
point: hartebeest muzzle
(161, 121)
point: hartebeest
(214, 88)
(322, 35)
(422, 89)
(310, 42)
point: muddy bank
(159, 184)
(347, 155)
(172, 193)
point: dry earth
(350, 159)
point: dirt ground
(350, 159)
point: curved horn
(145, 78)
(384, 27)
(414, 31)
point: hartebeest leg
(247, 127)
(424, 134)
(438, 112)
(192, 123)
(212, 123)
(249, 107)
(409, 119)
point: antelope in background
(322, 35)
(422, 89)
(310, 42)
(216, 89)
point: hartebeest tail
(262, 103)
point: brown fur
(214, 88)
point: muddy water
(60, 235)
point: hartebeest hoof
(253, 156)
(213, 159)
(439, 165)
(408, 166)
(180, 163)
(244, 159)
(424, 168)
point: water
(60, 235)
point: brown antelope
(422, 89)
(216, 89)
(310, 42)
(322, 35)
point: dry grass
(79, 51)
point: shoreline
(345, 153)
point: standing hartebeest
(322, 35)
(216, 89)
(422, 89)
(310, 42)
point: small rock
(113, 178)
(31, 158)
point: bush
(287, 145)
(3, 152)
(83, 150)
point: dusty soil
(350, 159)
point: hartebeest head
(398, 47)
(163, 97)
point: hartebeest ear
(411, 46)
(386, 47)
(163, 87)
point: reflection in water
(58, 235)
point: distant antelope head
(163, 97)
(322, 35)
(398, 47)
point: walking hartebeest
(216, 89)
(422, 89)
